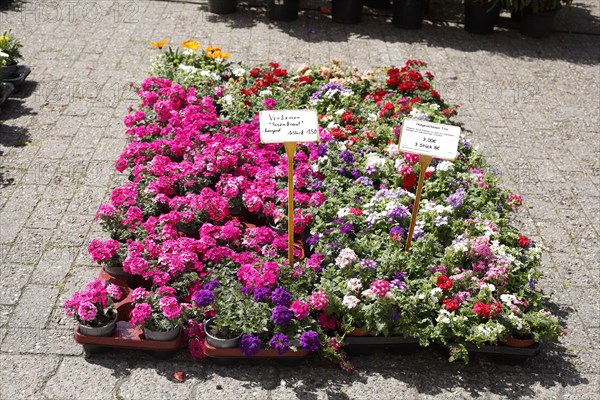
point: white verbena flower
(350, 302)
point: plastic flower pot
(408, 14)
(480, 19)
(284, 10)
(218, 342)
(9, 70)
(163, 336)
(354, 332)
(537, 25)
(346, 11)
(222, 6)
(106, 330)
(115, 270)
(520, 343)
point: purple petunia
(280, 342)
(212, 285)
(281, 315)
(368, 264)
(281, 297)
(456, 199)
(203, 297)
(310, 341)
(346, 228)
(313, 239)
(249, 344)
(347, 157)
(261, 294)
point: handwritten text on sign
(430, 139)
(280, 126)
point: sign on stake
(289, 127)
(428, 140)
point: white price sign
(430, 139)
(279, 126)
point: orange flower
(191, 44)
(160, 44)
(210, 49)
(218, 54)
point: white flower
(340, 111)
(266, 92)
(345, 257)
(434, 293)
(369, 294)
(342, 212)
(354, 284)
(393, 150)
(507, 298)
(239, 72)
(372, 117)
(373, 160)
(416, 113)
(445, 166)
(187, 68)
(350, 301)
(3, 54)
(228, 99)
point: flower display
(193, 217)
(94, 306)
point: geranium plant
(94, 306)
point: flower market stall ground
(530, 106)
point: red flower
(356, 211)
(524, 241)
(443, 282)
(409, 181)
(451, 304)
(482, 309)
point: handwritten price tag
(430, 139)
(280, 126)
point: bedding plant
(194, 213)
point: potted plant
(94, 308)
(408, 14)
(284, 10)
(160, 314)
(222, 6)
(346, 11)
(108, 254)
(10, 54)
(481, 15)
(537, 16)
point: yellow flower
(160, 44)
(210, 49)
(191, 44)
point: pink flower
(318, 300)
(87, 311)
(300, 309)
(327, 321)
(196, 347)
(114, 291)
(170, 307)
(381, 287)
(140, 313)
(138, 294)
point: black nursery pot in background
(408, 14)
(538, 25)
(481, 19)
(346, 11)
(222, 6)
(284, 10)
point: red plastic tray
(236, 353)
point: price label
(430, 139)
(279, 126)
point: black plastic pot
(222, 6)
(481, 19)
(377, 3)
(284, 10)
(408, 14)
(346, 11)
(538, 25)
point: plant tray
(236, 353)
(19, 77)
(357, 345)
(507, 354)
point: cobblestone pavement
(532, 106)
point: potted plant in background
(94, 308)
(536, 16)
(481, 15)
(222, 6)
(284, 10)
(346, 11)
(108, 254)
(160, 314)
(10, 54)
(408, 14)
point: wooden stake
(290, 150)
(424, 161)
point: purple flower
(249, 344)
(212, 285)
(398, 212)
(347, 157)
(322, 150)
(280, 342)
(203, 297)
(465, 143)
(397, 231)
(367, 264)
(364, 181)
(310, 341)
(261, 294)
(394, 316)
(346, 228)
(281, 297)
(281, 315)
(355, 173)
(312, 240)
(456, 199)
(399, 284)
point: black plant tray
(9, 89)
(507, 354)
(19, 77)
(366, 344)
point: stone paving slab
(531, 106)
